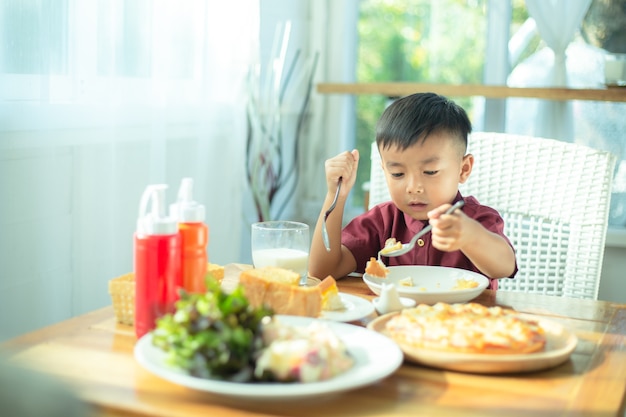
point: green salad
(213, 335)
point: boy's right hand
(345, 166)
(338, 261)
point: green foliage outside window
(424, 41)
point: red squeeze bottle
(157, 262)
(194, 238)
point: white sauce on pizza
(469, 328)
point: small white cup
(281, 243)
(615, 70)
(389, 300)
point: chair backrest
(554, 197)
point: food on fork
(376, 268)
(466, 328)
(391, 245)
(330, 295)
(279, 289)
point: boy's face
(427, 174)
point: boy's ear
(466, 167)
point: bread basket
(122, 291)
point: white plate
(376, 357)
(356, 308)
(560, 343)
(431, 284)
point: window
(71, 54)
(43, 45)
(448, 42)
(418, 41)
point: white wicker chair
(554, 197)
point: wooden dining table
(93, 354)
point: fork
(330, 209)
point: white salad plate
(376, 357)
(560, 343)
(431, 284)
(356, 308)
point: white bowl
(431, 284)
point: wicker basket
(122, 291)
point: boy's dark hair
(412, 118)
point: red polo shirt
(366, 234)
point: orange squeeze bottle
(194, 238)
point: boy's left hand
(450, 231)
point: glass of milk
(282, 243)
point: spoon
(330, 209)
(408, 246)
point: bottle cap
(155, 222)
(186, 210)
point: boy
(422, 140)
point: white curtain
(98, 99)
(574, 64)
(333, 33)
(557, 22)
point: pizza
(466, 328)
